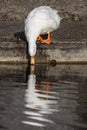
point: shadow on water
(43, 97)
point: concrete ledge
(65, 51)
(69, 44)
(12, 52)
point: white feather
(40, 21)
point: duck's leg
(39, 38)
(45, 41)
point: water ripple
(40, 102)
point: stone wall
(18, 9)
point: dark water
(43, 98)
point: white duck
(41, 20)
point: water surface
(43, 98)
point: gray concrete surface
(18, 9)
(69, 42)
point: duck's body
(40, 21)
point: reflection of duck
(34, 96)
(41, 20)
(39, 101)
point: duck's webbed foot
(45, 41)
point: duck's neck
(32, 50)
(32, 47)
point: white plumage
(40, 21)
